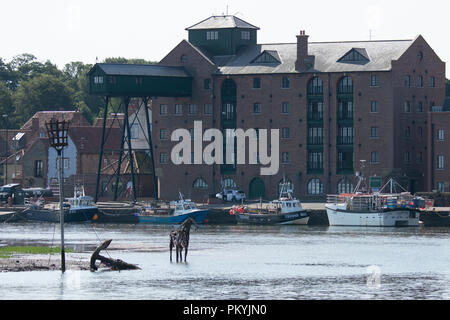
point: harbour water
(239, 262)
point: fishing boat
(284, 210)
(79, 208)
(374, 209)
(176, 213)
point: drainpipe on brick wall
(329, 134)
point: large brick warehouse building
(334, 103)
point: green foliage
(28, 85)
(41, 93)
(9, 251)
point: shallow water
(241, 262)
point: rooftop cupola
(222, 35)
(302, 52)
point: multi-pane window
(420, 131)
(345, 86)
(163, 134)
(315, 86)
(374, 132)
(163, 109)
(374, 82)
(285, 133)
(285, 107)
(441, 160)
(285, 83)
(192, 109)
(315, 187)
(315, 110)
(38, 168)
(345, 186)
(257, 108)
(245, 35)
(407, 81)
(345, 135)
(374, 107)
(212, 35)
(178, 109)
(200, 183)
(208, 108)
(315, 135)
(419, 81)
(441, 134)
(345, 110)
(98, 80)
(163, 158)
(374, 157)
(315, 160)
(256, 83)
(432, 82)
(441, 186)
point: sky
(63, 31)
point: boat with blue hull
(178, 213)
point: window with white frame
(212, 35)
(441, 134)
(441, 160)
(315, 187)
(245, 35)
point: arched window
(345, 86)
(315, 187)
(345, 186)
(315, 86)
(228, 183)
(200, 183)
(287, 184)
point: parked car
(14, 191)
(231, 195)
(38, 192)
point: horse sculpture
(180, 239)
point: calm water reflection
(242, 262)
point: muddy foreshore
(27, 263)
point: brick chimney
(35, 126)
(302, 52)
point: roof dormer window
(355, 55)
(267, 56)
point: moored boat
(178, 213)
(375, 209)
(285, 210)
(79, 208)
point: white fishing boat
(375, 209)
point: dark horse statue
(179, 239)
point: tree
(5, 100)
(41, 93)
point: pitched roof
(145, 70)
(87, 139)
(323, 56)
(222, 22)
(76, 118)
